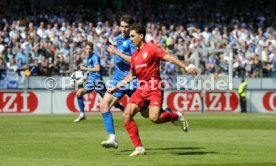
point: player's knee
(154, 119)
(104, 106)
(80, 93)
(126, 117)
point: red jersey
(146, 64)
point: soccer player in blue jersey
(94, 81)
(123, 52)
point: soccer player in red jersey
(148, 97)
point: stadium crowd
(42, 41)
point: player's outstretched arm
(96, 68)
(113, 50)
(176, 61)
(125, 81)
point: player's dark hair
(128, 19)
(89, 44)
(139, 28)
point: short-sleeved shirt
(95, 80)
(125, 46)
(121, 69)
(146, 64)
(91, 62)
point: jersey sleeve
(159, 52)
(95, 60)
(85, 63)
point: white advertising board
(65, 102)
(25, 102)
(263, 101)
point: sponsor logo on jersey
(145, 55)
(140, 66)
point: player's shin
(108, 123)
(133, 133)
(80, 103)
(81, 106)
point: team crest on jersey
(145, 55)
(125, 43)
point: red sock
(168, 117)
(133, 133)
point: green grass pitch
(213, 139)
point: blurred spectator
(21, 68)
(11, 65)
(34, 68)
(273, 68)
(20, 55)
(2, 65)
(63, 66)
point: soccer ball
(77, 79)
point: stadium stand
(42, 39)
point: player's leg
(119, 94)
(118, 105)
(112, 100)
(145, 112)
(156, 116)
(135, 103)
(79, 95)
(176, 117)
(108, 101)
(132, 128)
(89, 87)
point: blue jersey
(125, 46)
(91, 62)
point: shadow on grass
(195, 153)
(178, 148)
(172, 148)
(176, 151)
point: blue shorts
(100, 88)
(120, 93)
(126, 90)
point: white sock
(140, 148)
(82, 114)
(112, 137)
